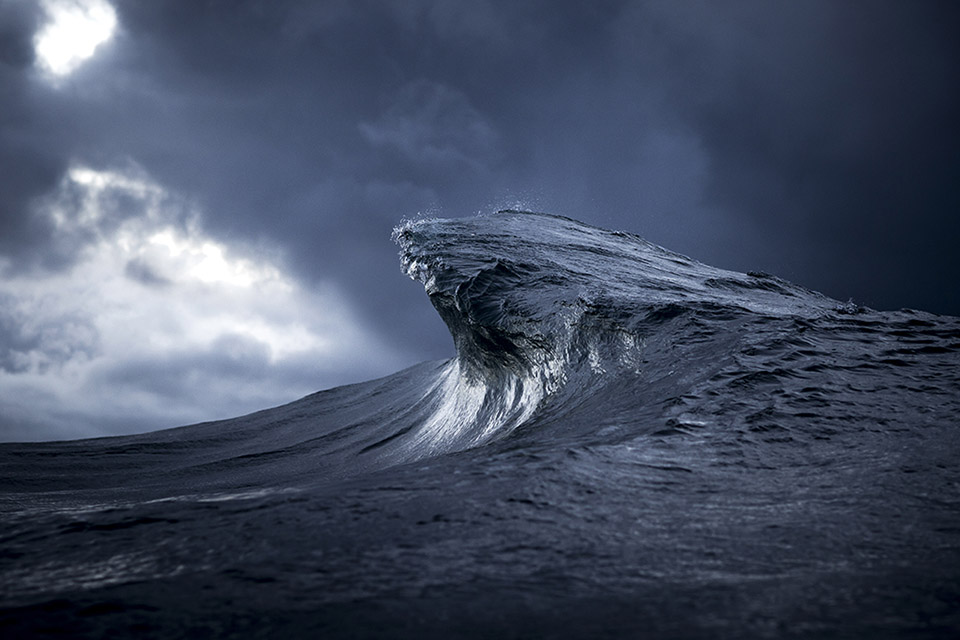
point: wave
(544, 309)
(561, 329)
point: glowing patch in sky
(200, 270)
(155, 322)
(74, 31)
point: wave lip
(525, 275)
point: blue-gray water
(628, 444)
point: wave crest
(541, 306)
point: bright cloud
(74, 30)
(157, 323)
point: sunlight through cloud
(156, 323)
(74, 31)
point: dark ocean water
(628, 444)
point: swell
(554, 322)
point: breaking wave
(547, 311)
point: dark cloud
(814, 140)
(179, 375)
(18, 23)
(30, 342)
(829, 126)
(26, 169)
(16, 340)
(143, 272)
(823, 130)
(433, 134)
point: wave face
(627, 441)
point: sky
(196, 198)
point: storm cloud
(817, 141)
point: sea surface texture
(628, 444)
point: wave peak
(541, 306)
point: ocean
(628, 444)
